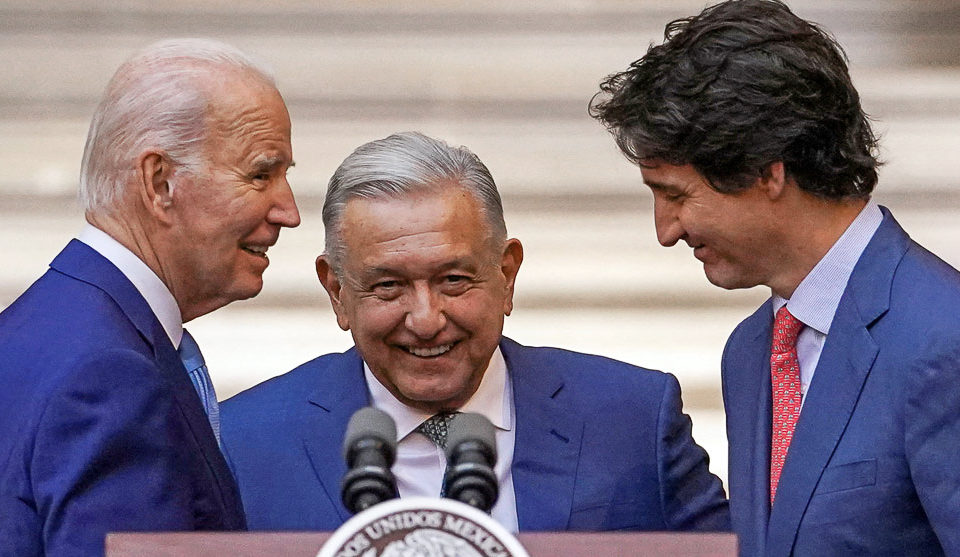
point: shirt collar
(816, 298)
(492, 399)
(153, 290)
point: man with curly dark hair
(841, 390)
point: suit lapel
(747, 371)
(83, 263)
(333, 403)
(197, 420)
(844, 365)
(547, 443)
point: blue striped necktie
(193, 361)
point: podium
(307, 544)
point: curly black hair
(742, 85)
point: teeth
(428, 352)
(262, 250)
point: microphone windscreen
(370, 422)
(471, 427)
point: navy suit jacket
(100, 427)
(600, 445)
(874, 465)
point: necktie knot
(190, 352)
(786, 328)
(435, 427)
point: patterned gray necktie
(435, 428)
(200, 377)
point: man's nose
(669, 229)
(284, 211)
(425, 313)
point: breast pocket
(845, 492)
(607, 516)
(848, 476)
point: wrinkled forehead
(443, 218)
(447, 210)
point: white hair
(156, 99)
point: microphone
(471, 454)
(369, 447)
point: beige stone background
(511, 80)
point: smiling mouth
(431, 352)
(260, 251)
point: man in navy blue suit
(841, 391)
(102, 427)
(419, 269)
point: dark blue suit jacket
(874, 465)
(600, 445)
(100, 427)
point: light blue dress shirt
(817, 297)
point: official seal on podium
(422, 527)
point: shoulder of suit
(303, 379)
(579, 367)
(921, 265)
(924, 298)
(61, 323)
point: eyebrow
(459, 263)
(271, 161)
(662, 186)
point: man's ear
(773, 181)
(510, 266)
(154, 171)
(331, 283)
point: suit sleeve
(932, 438)
(693, 498)
(109, 456)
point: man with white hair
(108, 419)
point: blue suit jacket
(100, 427)
(600, 445)
(874, 465)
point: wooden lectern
(303, 544)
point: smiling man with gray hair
(420, 270)
(108, 419)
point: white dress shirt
(147, 282)
(816, 298)
(420, 464)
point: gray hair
(399, 165)
(158, 99)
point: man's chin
(434, 401)
(249, 288)
(726, 280)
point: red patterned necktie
(785, 384)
